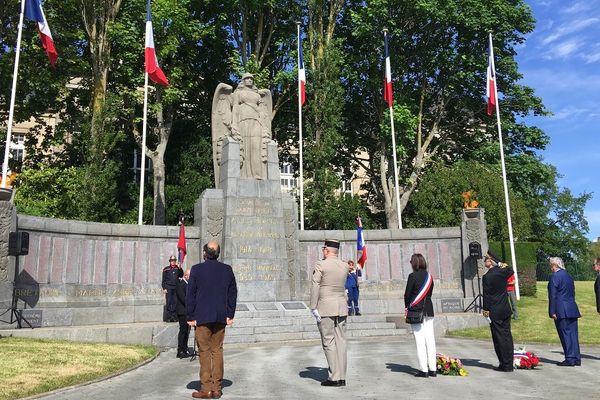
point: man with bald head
(328, 305)
(210, 305)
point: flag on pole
(181, 247)
(154, 72)
(491, 81)
(34, 12)
(361, 247)
(301, 72)
(387, 86)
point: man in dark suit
(597, 283)
(564, 311)
(184, 328)
(210, 304)
(497, 309)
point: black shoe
(421, 374)
(342, 382)
(503, 369)
(578, 363)
(332, 383)
(350, 313)
(566, 363)
(432, 374)
(357, 313)
(180, 354)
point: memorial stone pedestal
(256, 226)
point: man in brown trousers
(328, 305)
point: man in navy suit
(210, 304)
(563, 310)
(597, 283)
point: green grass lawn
(534, 325)
(32, 366)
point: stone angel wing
(266, 111)
(221, 117)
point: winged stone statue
(243, 114)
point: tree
(438, 66)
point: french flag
(181, 247)
(361, 247)
(491, 81)
(154, 72)
(34, 12)
(387, 86)
(301, 72)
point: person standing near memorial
(597, 283)
(496, 309)
(419, 288)
(184, 328)
(564, 311)
(352, 288)
(170, 277)
(210, 304)
(329, 306)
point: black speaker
(18, 243)
(475, 250)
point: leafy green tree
(438, 201)
(438, 66)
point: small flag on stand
(181, 247)
(387, 86)
(491, 81)
(154, 72)
(361, 247)
(34, 12)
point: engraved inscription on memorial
(451, 305)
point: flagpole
(397, 189)
(300, 140)
(12, 98)
(504, 181)
(143, 158)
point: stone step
(230, 337)
(306, 327)
(305, 319)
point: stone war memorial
(102, 282)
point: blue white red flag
(387, 86)
(361, 246)
(34, 12)
(154, 72)
(181, 247)
(423, 291)
(491, 81)
(301, 72)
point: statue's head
(247, 80)
(247, 75)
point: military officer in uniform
(329, 307)
(170, 277)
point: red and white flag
(154, 72)
(181, 247)
(491, 81)
(361, 246)
(301, 72)
(387, 86)
(34, 12)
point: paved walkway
(378, 368)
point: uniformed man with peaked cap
(328, 305)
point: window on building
(137, 160)
(288, 182)
(17, 147)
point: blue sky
(561, 61)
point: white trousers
(425, 341)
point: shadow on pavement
(316, 373)
(407, 369)
(195, 385)
(473, 362)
